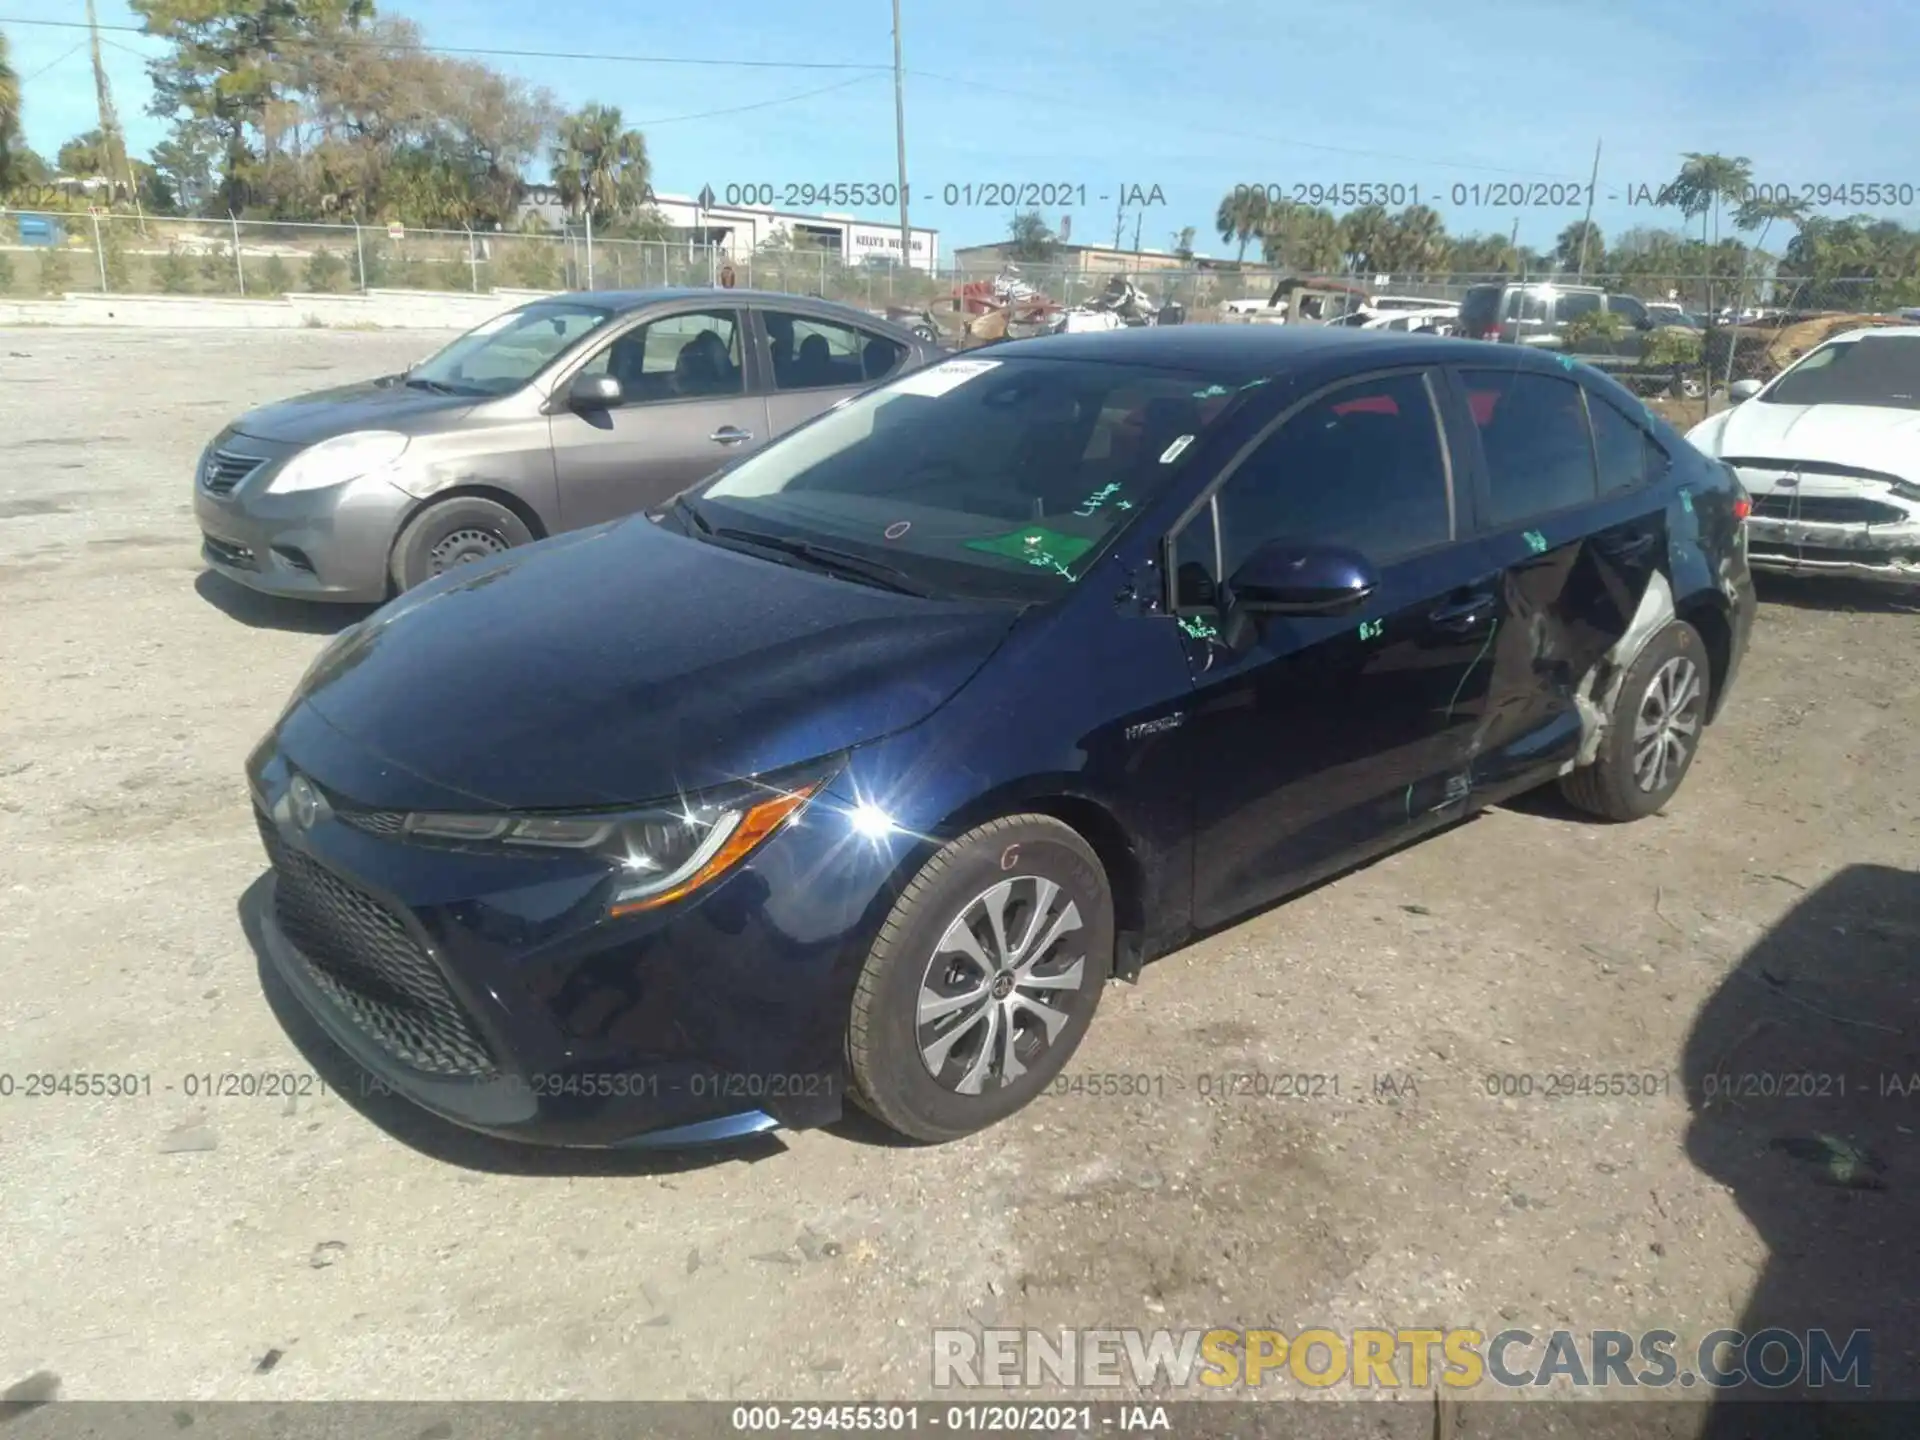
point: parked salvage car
(561, 413)
(1541, 314)
(1830, 451)
(862, 767)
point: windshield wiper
(838, 562)
(420, 382)
(683, 507)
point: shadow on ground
(1803, 1075)
(271, 612)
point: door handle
(730, 435)
(1466, 614)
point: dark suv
(1538, 313)
(867, 763)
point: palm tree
(1362, 233)
(600, 167)
(1704, 182)
(9, 115)
(1414, 242)
(1303, 237)
(1581, 247)
(1241, 216)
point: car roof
(1911, 331)
(1245, 351)
(623, 302)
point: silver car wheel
(990, 994)
(1668, 724)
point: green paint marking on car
(1036, 545)
(1212, 392)
(1370, 629)
(1199, 629)
(1536, 542)
(1686, 500)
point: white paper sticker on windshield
(939, 379)
(1174, 451)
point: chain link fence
(60, 253)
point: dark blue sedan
(862, 768)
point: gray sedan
(562, 413)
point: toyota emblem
(304, 801)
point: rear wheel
(983, 979)
(1653, 732)
(459, 531)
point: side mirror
(1288, 578)
(594, 392)
(1743, 390)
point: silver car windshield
(508, 350)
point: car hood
(383, 404)
(1864, 437)
(627, 663)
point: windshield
(509, 350)
(1878, 370)
(986, 477)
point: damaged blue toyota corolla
(861, 768)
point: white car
(1830, 451)
(1439, 320)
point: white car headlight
(336, 461)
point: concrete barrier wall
(374, 310)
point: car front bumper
(490, 989)
(329, 544)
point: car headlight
(336, 461)
(656, 854)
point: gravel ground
(166, 1245)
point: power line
(757, 105)
(373, 43)
(51, 63)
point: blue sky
(1191, 98)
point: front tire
(457, 531)
(1653, 733)
(982, 980)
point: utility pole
(900, 138)
(1119, 221)
(1586, 223)
(112, 140)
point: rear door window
(1533, 435)
(1628, 457)
(810, 354)
(1573, 306)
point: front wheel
(1652, 734)
(983, 979)
(456, 531)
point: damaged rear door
(1566, 494)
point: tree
(184, 163)
(236, 65)
(1029, 239)
(1704, 184)
(1302, 237)
(1183, 242)
(1242, 215)
(83, 156)
(1413, 242)
(600, 167)
(9, 117)
(1581, 248)
(1362, 234)
(1484, 255)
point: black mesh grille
(1827, 509)
(374, 822)
(363, 958)
(222, 470)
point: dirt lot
(162, 1245)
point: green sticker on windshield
(1037, 546)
